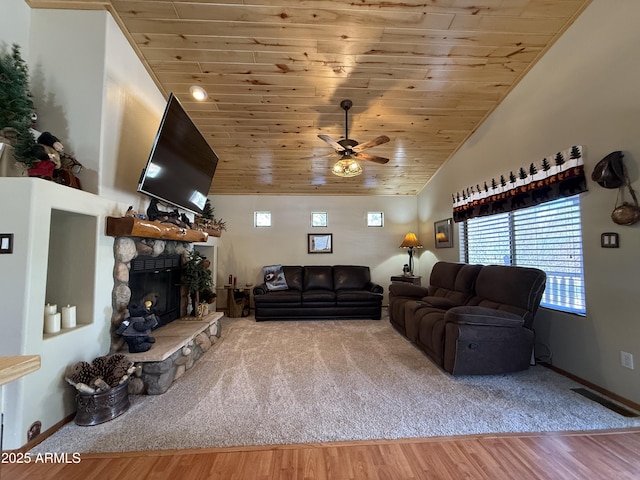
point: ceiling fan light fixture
(347, 168)
(198, 93)
(347, 147)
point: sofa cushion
(356, 296)
(414, 311)
(293, 274)
(513, 289)
(350, 277)
(440, 302)
(408, 290)
(430, 333)
(279, 296)
(318, 297)
(318, 278)
(443, 275)
(483, 316)
(454, 281)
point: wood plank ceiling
(423, 72)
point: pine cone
(101, 365)
(118, 367)
(81, 372)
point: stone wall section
(155, 378)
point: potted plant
(196, 276)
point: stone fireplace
(145, 266)
(150, 268)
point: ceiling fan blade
(331, 142)
(371, 143)
(371, 158)
(317, 157)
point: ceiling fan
(348, 150)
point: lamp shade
(347, 167)
(410, 241)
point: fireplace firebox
(157, 279)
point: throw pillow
(274, 277)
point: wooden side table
(414, 279)
(238, 301)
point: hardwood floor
(579, 455)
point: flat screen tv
(181, 164)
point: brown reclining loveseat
(471, 319)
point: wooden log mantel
(135, 227)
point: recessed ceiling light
(198, 93)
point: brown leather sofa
(321, 292)
(471, 319)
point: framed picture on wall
(320, 243)
(443, 231)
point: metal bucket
(96, 408)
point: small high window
(319, 219)
(261, 219)
(375, 219)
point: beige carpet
(322, 381)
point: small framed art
(320, 243)
(443, 231)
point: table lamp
(410, 241)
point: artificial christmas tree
(16, 106)
(207, 222)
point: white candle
(50, 309)
(68, 316)
(52, 323)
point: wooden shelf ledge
(135, 227)
(12, 368)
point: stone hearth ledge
(178, 346)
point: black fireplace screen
(157, 279)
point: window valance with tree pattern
(556, 176)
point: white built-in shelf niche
(71, 265)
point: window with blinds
(547, 236)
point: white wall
(131, 113)
(583, 92)
(14, 26)
(96, 97)
(244, 249)
(44, 395)
(86, 85)
(66, 78)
